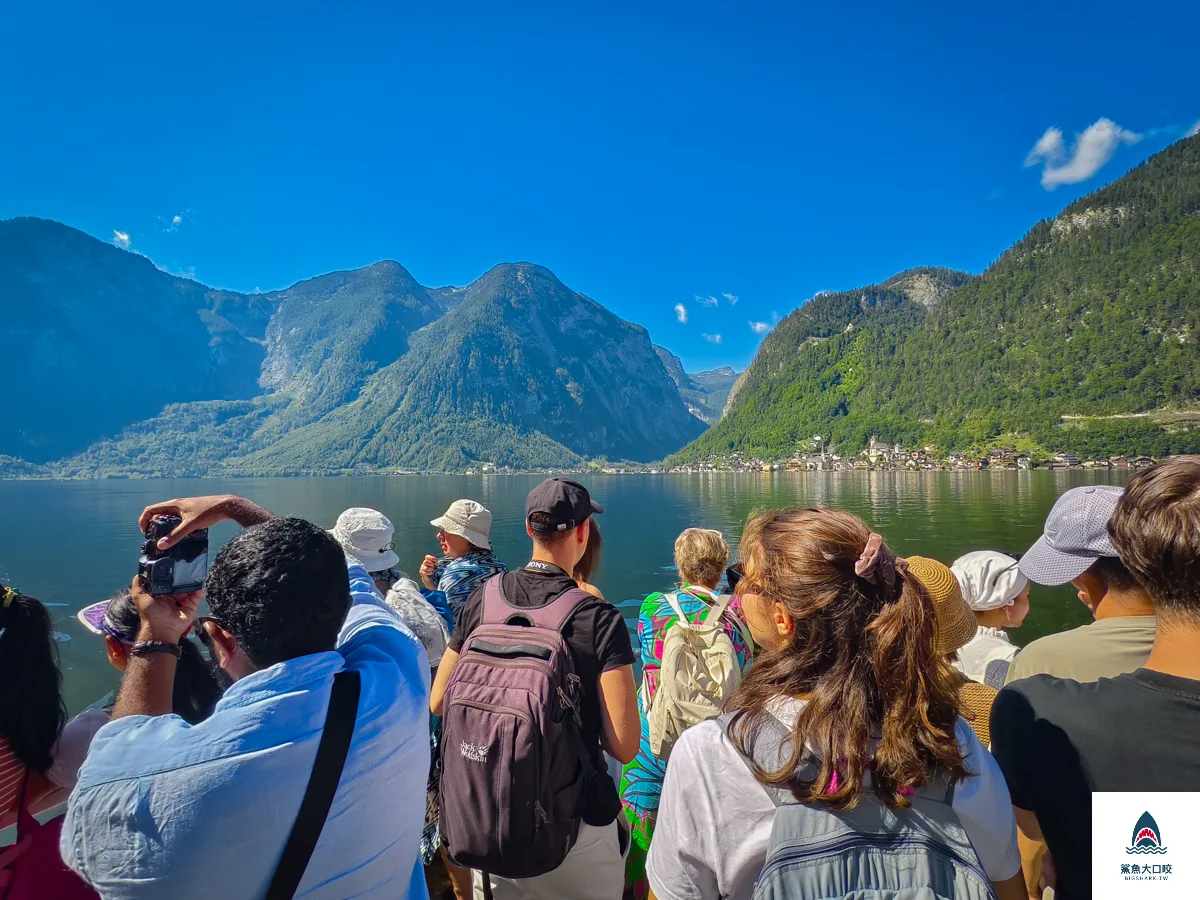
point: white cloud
(681, 313)
(1194, 130)
(1087, 155)
(732, 298)
(121, 239)
(707, 301)
(712, 338)
(760, 327)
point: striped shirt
(12, 771)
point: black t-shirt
(1057, 741)
(596, 633)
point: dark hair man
(558, 518)
(168, 809)
(1057, 741)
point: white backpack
(699, 671)
(420, 616)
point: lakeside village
(878, 456)
(881, 456)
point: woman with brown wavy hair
(851, 675)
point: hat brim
(91, 617)
(597, 509)
(372, 560)
(1049, 567)
(478, 538)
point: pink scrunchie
(877, 564)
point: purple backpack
(514, 765)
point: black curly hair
(281, 589)
(32, 713)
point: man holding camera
(309, 777)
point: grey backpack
(514, 765)
(870, 852)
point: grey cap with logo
(1075, 536)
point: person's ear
(1091, 590)
(118, 654)
(581, 533)
(224, 644)
(529, 531)
(784, 623)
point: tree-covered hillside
(1092, 317)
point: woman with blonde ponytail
(851, 679)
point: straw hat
(975, 704)
(955, 622)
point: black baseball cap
(566, 502)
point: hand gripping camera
(179, 570)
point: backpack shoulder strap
(322, 786)
(555, 614)
(672, 598)
(716, 610)
(495, 608)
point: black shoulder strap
(322, 785)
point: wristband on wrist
(145, 648)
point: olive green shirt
(1105, 648)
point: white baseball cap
(366, 534)
(467, 519)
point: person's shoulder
(138, 747)
(1048, 697)
(1051, 645)
(703, 741)
(652, 603)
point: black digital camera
(179, 570)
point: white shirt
(989, 645)
(714, 822)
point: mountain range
(129, 370)
(1083, 336)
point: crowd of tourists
(820, 718)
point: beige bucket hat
(467, 519)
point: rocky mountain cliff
(96, 338)
(357, 370)
(705, 393)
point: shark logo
(1146, 836)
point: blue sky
(652, 155)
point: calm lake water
(71, 543)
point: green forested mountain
(128, 370)
(1083, 336)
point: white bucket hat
(989, 580)
(366, 534)
(467, 519)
